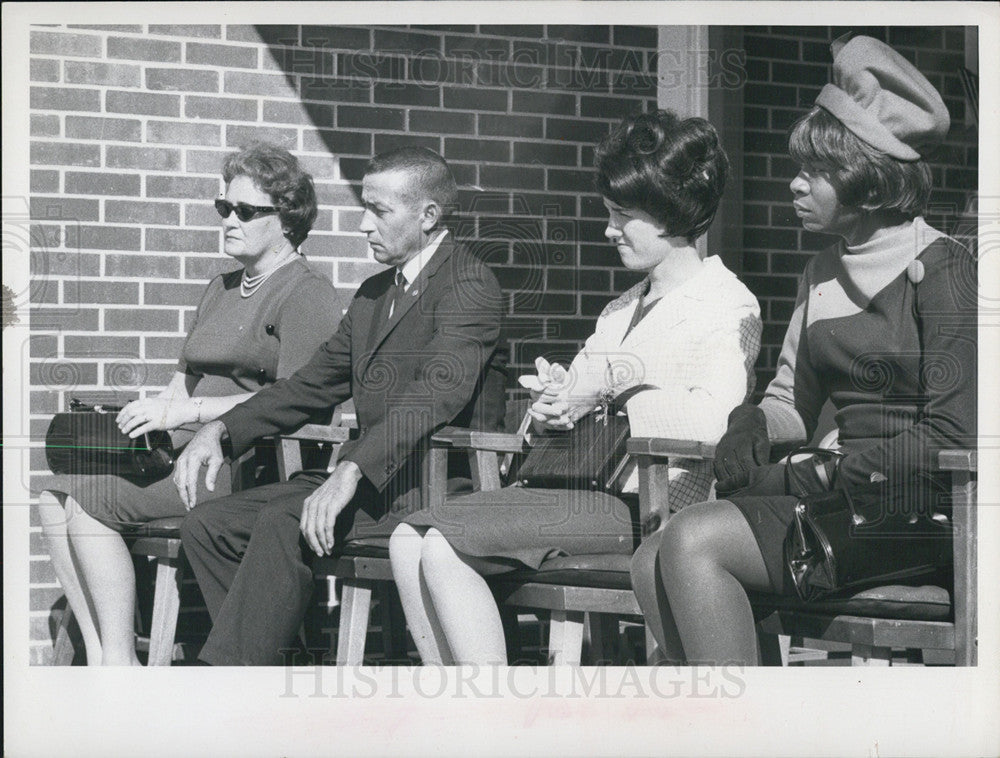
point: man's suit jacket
(436, 362)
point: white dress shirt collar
(412, 268)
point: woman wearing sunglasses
(254, 325)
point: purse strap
(617, 404)
(792, 476)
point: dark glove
(743, 447)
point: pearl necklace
(250, 284)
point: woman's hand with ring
(141, 416)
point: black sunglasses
(244, 212)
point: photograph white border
(219, 712)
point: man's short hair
(433, 179)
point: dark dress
(236, 345)
(892, 343)
(524, 526)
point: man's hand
(321, 508)
(744, 446)
(205, 449)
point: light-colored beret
(881, 97)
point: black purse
(86, 440)
(590, 456)
(845, 540)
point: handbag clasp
(604, 406)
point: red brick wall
(786, 67)
(129, 126)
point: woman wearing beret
(253, 326)
(690, 329)
(884, 326)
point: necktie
(397, 299)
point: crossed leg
(708, 559)
(448, 604)
(94, 566)
(405, 546)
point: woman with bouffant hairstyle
(884, 327)
(672, 169)
(689, 329)
(255, 324)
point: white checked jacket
(698, 345)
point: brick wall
(129, 126)
(786, 68)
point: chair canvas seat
(919, 603)
(369, 547)
(605, 571)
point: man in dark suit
(417, 350)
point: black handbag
(845, 540)
(590, 456)
(86, 440)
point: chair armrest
(484, 450)
(288, 445)
(962, 465)
(651, 454)
(470, 439)
(957, 460)
(659, 447)
(318, 433)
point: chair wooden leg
(511, 634)
(393, 622)
(605, 638)
(63, 651)
(774, 649)
(166, 607)
(355, 605)
(869, 655)
(966, 587)
(566, 638)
